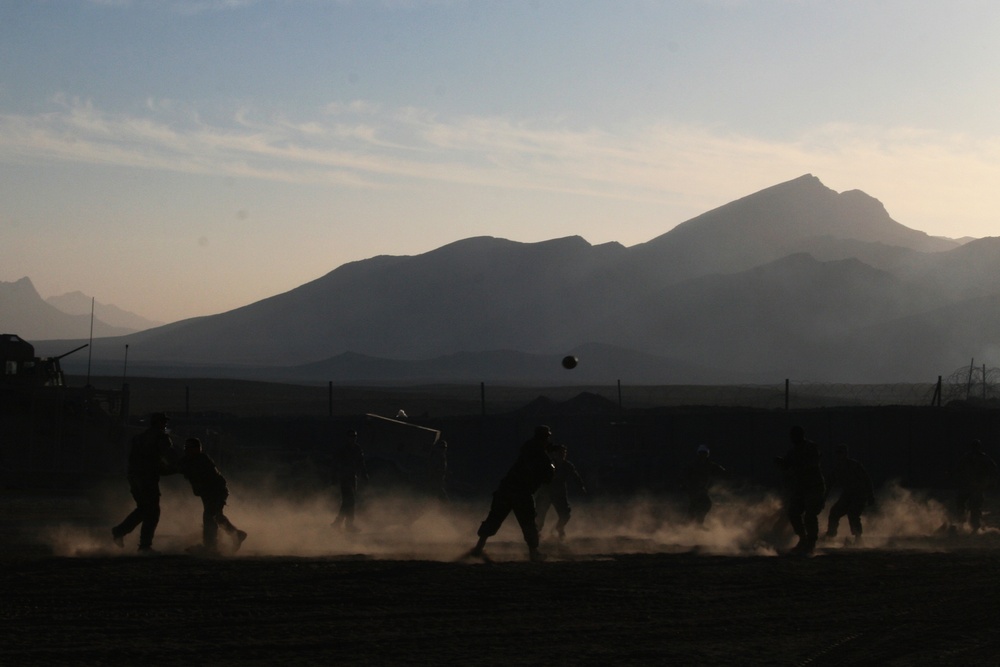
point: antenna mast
(90, 352)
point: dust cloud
(401, 526)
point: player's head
(543, 432)
(797, 434)
(192, 445)
(703, 451)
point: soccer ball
(569, 362)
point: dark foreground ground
(890, 608)
(897, 609)
(846, 606)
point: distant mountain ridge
(778, 221)
(78, 303)
(792, 281)
(24, 312)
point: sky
(179, 158)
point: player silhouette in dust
(856, 493)
(349, 461)
(208, 484)
(805, 489)
(516, 490)
(151, 455)
(556, 494)
(698, 479)
(974, 473)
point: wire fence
(976, 385)
(972, 385)
(786, 395)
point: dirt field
(69, 597)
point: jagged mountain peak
(27, 314)
(798, 208)
(22, 286)
(770, 224)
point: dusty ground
(600, 599)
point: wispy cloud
(184, 7)
(361, 144)
(196, 7)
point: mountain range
(65, 316)
(795, 281)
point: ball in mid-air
(569, 361)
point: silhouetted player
(209, 484)
(975, 472)
(856, 493)
(516, 492)
(437, 471)
(350, 464)
(555, 493)
(151, 454)
(805, 489)
(697, 480)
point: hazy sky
(187, 157)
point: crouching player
(209, 484)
